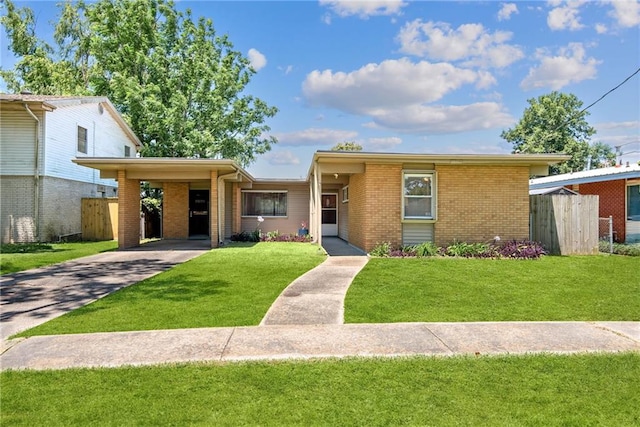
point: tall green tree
(181, 86)
(347, 146)
(556, 123)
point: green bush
(381, 250)
(426, 249)
(630, 249)
(467, 250)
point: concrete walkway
(33, 297)
(319, 341)
(316, 297)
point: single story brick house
(363, 198)
(618, 188)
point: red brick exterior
(128, 211)
(175, 210)
(477, 203)
(612, 202)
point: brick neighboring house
(40, 185)
(363, 198)
(618, 189)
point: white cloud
(444, 119)
(315, 136)
(286, 70)
(390, 84)
(601, 28)
(506, 11)
(382, 144)
(626, 12)
(283, 157)
(257, 59)
(362, 9)
(469, 42)
(570, 65)
(633, 124)
(565, 17)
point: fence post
(610, 234)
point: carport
(198, 195)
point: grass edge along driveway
(230, 286)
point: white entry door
(329, 214)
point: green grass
(20, 257)
(465, 290)
(537, 390)
(230, 286)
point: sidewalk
(319, 341)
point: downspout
(221, 200)
(36, 175)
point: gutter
(36, 175)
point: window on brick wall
(418, 201)
(264, 203)
(82, 140)
(633, 202)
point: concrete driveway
(32, 297)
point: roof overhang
(164, 169)
(585, 177)
(354, 162)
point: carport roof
(163, 168)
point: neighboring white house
(41, 188)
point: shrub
(629, 249)
(244, 236)
(381, 250)
(523, 249)
(23, 248)
(426, 249)
(467, 250)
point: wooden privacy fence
(100, 218)
(565, 225)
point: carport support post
(213, 209)
(128, 211)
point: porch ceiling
(162, 169)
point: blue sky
(427, 76)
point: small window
(82, 140)
(127, 151)
(264, 203)
(633, 202)
(345, 194)
(418, 200)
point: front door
(198, 213)
(329, 214)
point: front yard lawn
(536, 390)
(230, 286)
(472, 290)
(20, 257)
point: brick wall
(357, 210)
(128, 211)
(477, 203)
(612, 202)
(175, 210)
(17, 209)
(383, 210)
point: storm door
(198, 213)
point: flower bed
(515, 249)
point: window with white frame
(418, 199)
(264, 203)
(345, 194)
(82, 140)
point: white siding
(416, 233)
(17, 142)
(633, 232)
(104, 139)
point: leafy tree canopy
(347, 146)
(556, 123)
(179, 85)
